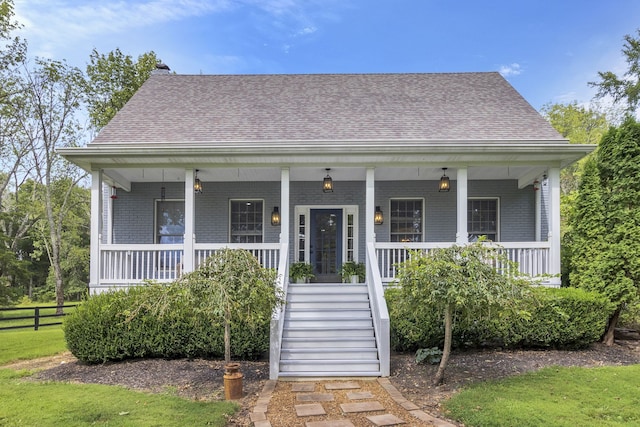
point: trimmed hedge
(559, 318)
(154, 321)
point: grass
(607, 396)
(28, 403)
(24, 344)
(25, 403)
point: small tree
(459, 281)
(231, 284)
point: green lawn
(608, 396)
(25, 403)
(24, 344)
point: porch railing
(532, 257)
(124, 265)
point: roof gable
(327, 107)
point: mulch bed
(200, 379)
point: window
(482, 219)
(169, 221)
(406, 220)
(246, 221)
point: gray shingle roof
(327, 107)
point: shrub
(559, 318)
(161, 321)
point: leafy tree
(464, 282)
(112, 81)
(47, 114)
(231, 284)
(606, 247)
(579, 125)
(623, 89)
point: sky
(547, 49)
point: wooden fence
(37, 317)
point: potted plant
(352, 272)
(301, 272)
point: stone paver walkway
(363, 401)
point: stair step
(328, 343)
(355, 353)
(319, 332)
(344, 313)
(344, 367)
(328, 304)
(325, 289)
(328, 323)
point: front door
(325, 249)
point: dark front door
(326, 244)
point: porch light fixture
(197, 184)
(327, 183)
(275, 216)
(378, 218)
(444, 185)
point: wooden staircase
(328, 331)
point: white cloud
(513, 69)
(95, 17)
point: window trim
(497, 200)
(229, 224)
(423, 231)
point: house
(323, 169)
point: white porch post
(554, 225)
(461, 201)
(370, 208)
(109, 218)
(538, 229)
(96, 228)
(188, 257)
(284, 205)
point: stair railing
(277, 319)
(379, 310)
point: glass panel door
(325, 248)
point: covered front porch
(369, 205)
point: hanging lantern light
(378, 218)
(327, 183)
(275, 216)
(444, 185)
(197, 184)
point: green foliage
(604, 240)
(301, 270)
(184, 319)
(432, 355)
(623, 89)
(558, 318)
(465, 282)
(473, 280)
(113, 79)
(555, 396)
(351, 268)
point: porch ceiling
(119, 176)
(348, 160)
